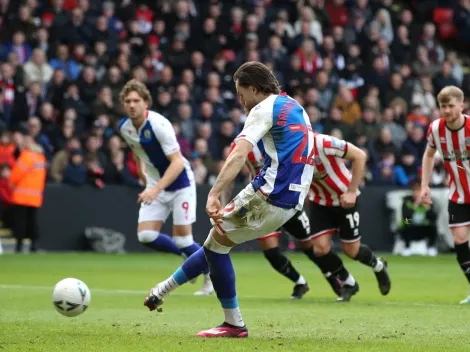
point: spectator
(415, 144)
(7, 150)
(386, 63)
(335, 121)
(387, 173)
(307, 19)
(200, 170)
(75, 173)
(419, 222)
(346, 103)
(37, 69)
(117, 171)
(61, 160)
(423, 96)
(397, 131)
(65, 63)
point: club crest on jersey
(317, 160)
(147, 134)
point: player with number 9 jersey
(333, 192)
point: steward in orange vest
(27, 182)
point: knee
(146, 236)
(351, 249)
(183, 241)
(213, 244)
(459, 235)
(320, 249)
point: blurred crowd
(366, 71)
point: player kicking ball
(170, 185)
(450, 135)
(298, 227)
(268, 202)
(334, 192)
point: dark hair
(257, 75)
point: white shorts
(248, 216)
(181, 202)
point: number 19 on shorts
(354, 222)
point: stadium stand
(365, 70)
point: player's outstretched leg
(223, 279)
(194, 266)
(282, 264)
(363, 254)
(188, 247)
(158, 241)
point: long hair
(257, 75)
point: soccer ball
(71, 297)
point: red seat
(447, 30)
(442, 15)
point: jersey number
(353, 219)
(303, 218)
(298, 158)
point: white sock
(165, 287)
(301, 281)
(379, 266)
(350, 281)
(234, 317)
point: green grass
(420, 314)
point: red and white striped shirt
(331, 178)
(454, 146)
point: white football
(71, 297)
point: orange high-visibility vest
(28, 179)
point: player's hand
(214, 209)
(425, 195)
(348, 200)
(148, 196)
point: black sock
(281, 264)
(332, 268)
(463, 257)
(366, 256)
(330, 264)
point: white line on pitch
(138, 292)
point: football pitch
(420, 314)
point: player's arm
(227, 193)
(428, 159)
(257, 125)
(358, 159)
(428, 164)
(232, 167)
